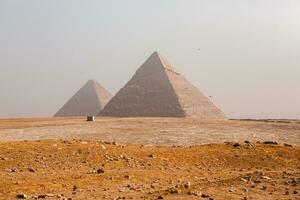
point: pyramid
(158, 90)
(89, 100)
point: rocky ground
(78, 169)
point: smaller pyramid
(89, 100)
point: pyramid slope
(157, 90)
(192, 101)
(89, 100)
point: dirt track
(150, 131)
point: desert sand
(151, 131)
(149, 158)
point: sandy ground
(70, 159)
(94, 170)
(150, 131)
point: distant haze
(245, 54)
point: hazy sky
(249, 58)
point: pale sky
(249, 58)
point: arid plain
(149, 158)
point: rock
(270, 142)
(11, 170)
(31, 169)
(286, 193)
(100, 171)
(127, 176)
(244, 180)
(42, 196)
(187, 185)
(3, 158)
(160, 197)
(122, 190)
(204, 195)
(21, 196)
(235, 145)
(248, 177)
(199, 194)
(266, 177)
(103, 147)
(288, 145)
(174, 191)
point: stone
(31, 169)
(187, 185)
(199, 194)
(266, 177)
(100, 171)
(286, 193)
(235, 145)
(244, 180)
(127, 176)
(21, 196)
(287, 145)
(174, 191)
(205, 195)
(270, 142)
(42, 196)
(4, 158)
(75, 188)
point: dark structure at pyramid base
(157, 90)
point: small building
(90, 118)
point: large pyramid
(89, 100)
(157, 90)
